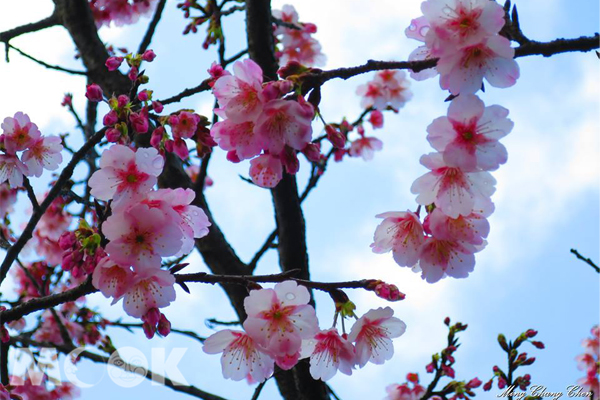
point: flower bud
(337, 138)
(113, 63)
(148, 56)
(93, 92)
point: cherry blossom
(284, 122)
(239, 95)
(373, 95)
(112, 279)
(372, 334)
(588, 362)
(126, 175)
(404, 392)
(19, 133)
(44, 153)
(266, 170)
(297, 44)
(472, 228)
(329, 352)
(402, 233)
(389, 87)
(454, 191)
(241, 358)
(8, 197)
(279, 318)
(365, 147)
(121, 12)
(468, 137)
(184, 124)
(451, 257)
(140, 236)
(238, 137)
(463, 71)
(12, 170)
(176, 205)
(151, 288)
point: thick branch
(77, 18)
(65, 175)
(97, 358)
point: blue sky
(547, 198)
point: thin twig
(202, 87)
(30, 193)
(48, 22)
(49, 66)
(586, 260)
(258, 390)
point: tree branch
(65, 175)
(44, 64)
(586, 260)
(202, 87)
(48, 22)
(152, 27)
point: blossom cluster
(388, 90)
(8, 197)
(282, 328)
(464, 36)
(35, 386)
(296, 44)
(121, 12)
(259, 124)
(405, 391)
(145, 225)
(39, 152)
(589, 362)
(456, 193)
(46, 236)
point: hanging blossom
(145, 226)
(296, 45)
(121, 12)
(282, 328)
(38, 152)
(259, 125)
(464, 35)
(456, 193)
(389, 88)
(405, 391)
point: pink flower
(365, 147)
(329, 352)
(285, 122)
(376, 119)
(184, 124)
(396, 87)
(372, 334)
(140, 236)
(19, 133)
(8, 197)
(12, 170)
(239, 95)
(112, 279)
(297, 44)
(151, 288)
(175, 204)
(266, 170)
(472, 228)
(468, 137)
(463, 71)
(279, 318)
(43, 153)
(241, 358)
(460, 23)
(238, 137)
(402, 233)
(125, 175)
(373, 95)
(454, 191)
(94, 93)
(450, 257)
(404, 392)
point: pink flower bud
(133, 74)
(113, 63)
(412, 377)
(4, 336)
(139, 122)
(474, 383)
(164, 326)
(430, 368)
(180, 148)
(157, 137)
(539, 345)
(376, 119)
(123, 100)
(113, 135)
(152, 316)
(156, 106)
(530, 333)
(111, 118)
(67, 100)
(93, 92)
(312, 151)
(169, 145)
(337, 138)
(501, 383)
(488, 386)
(149, 330)
(148, 56)
(143, 95)
(290, 160)
(67, 240)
